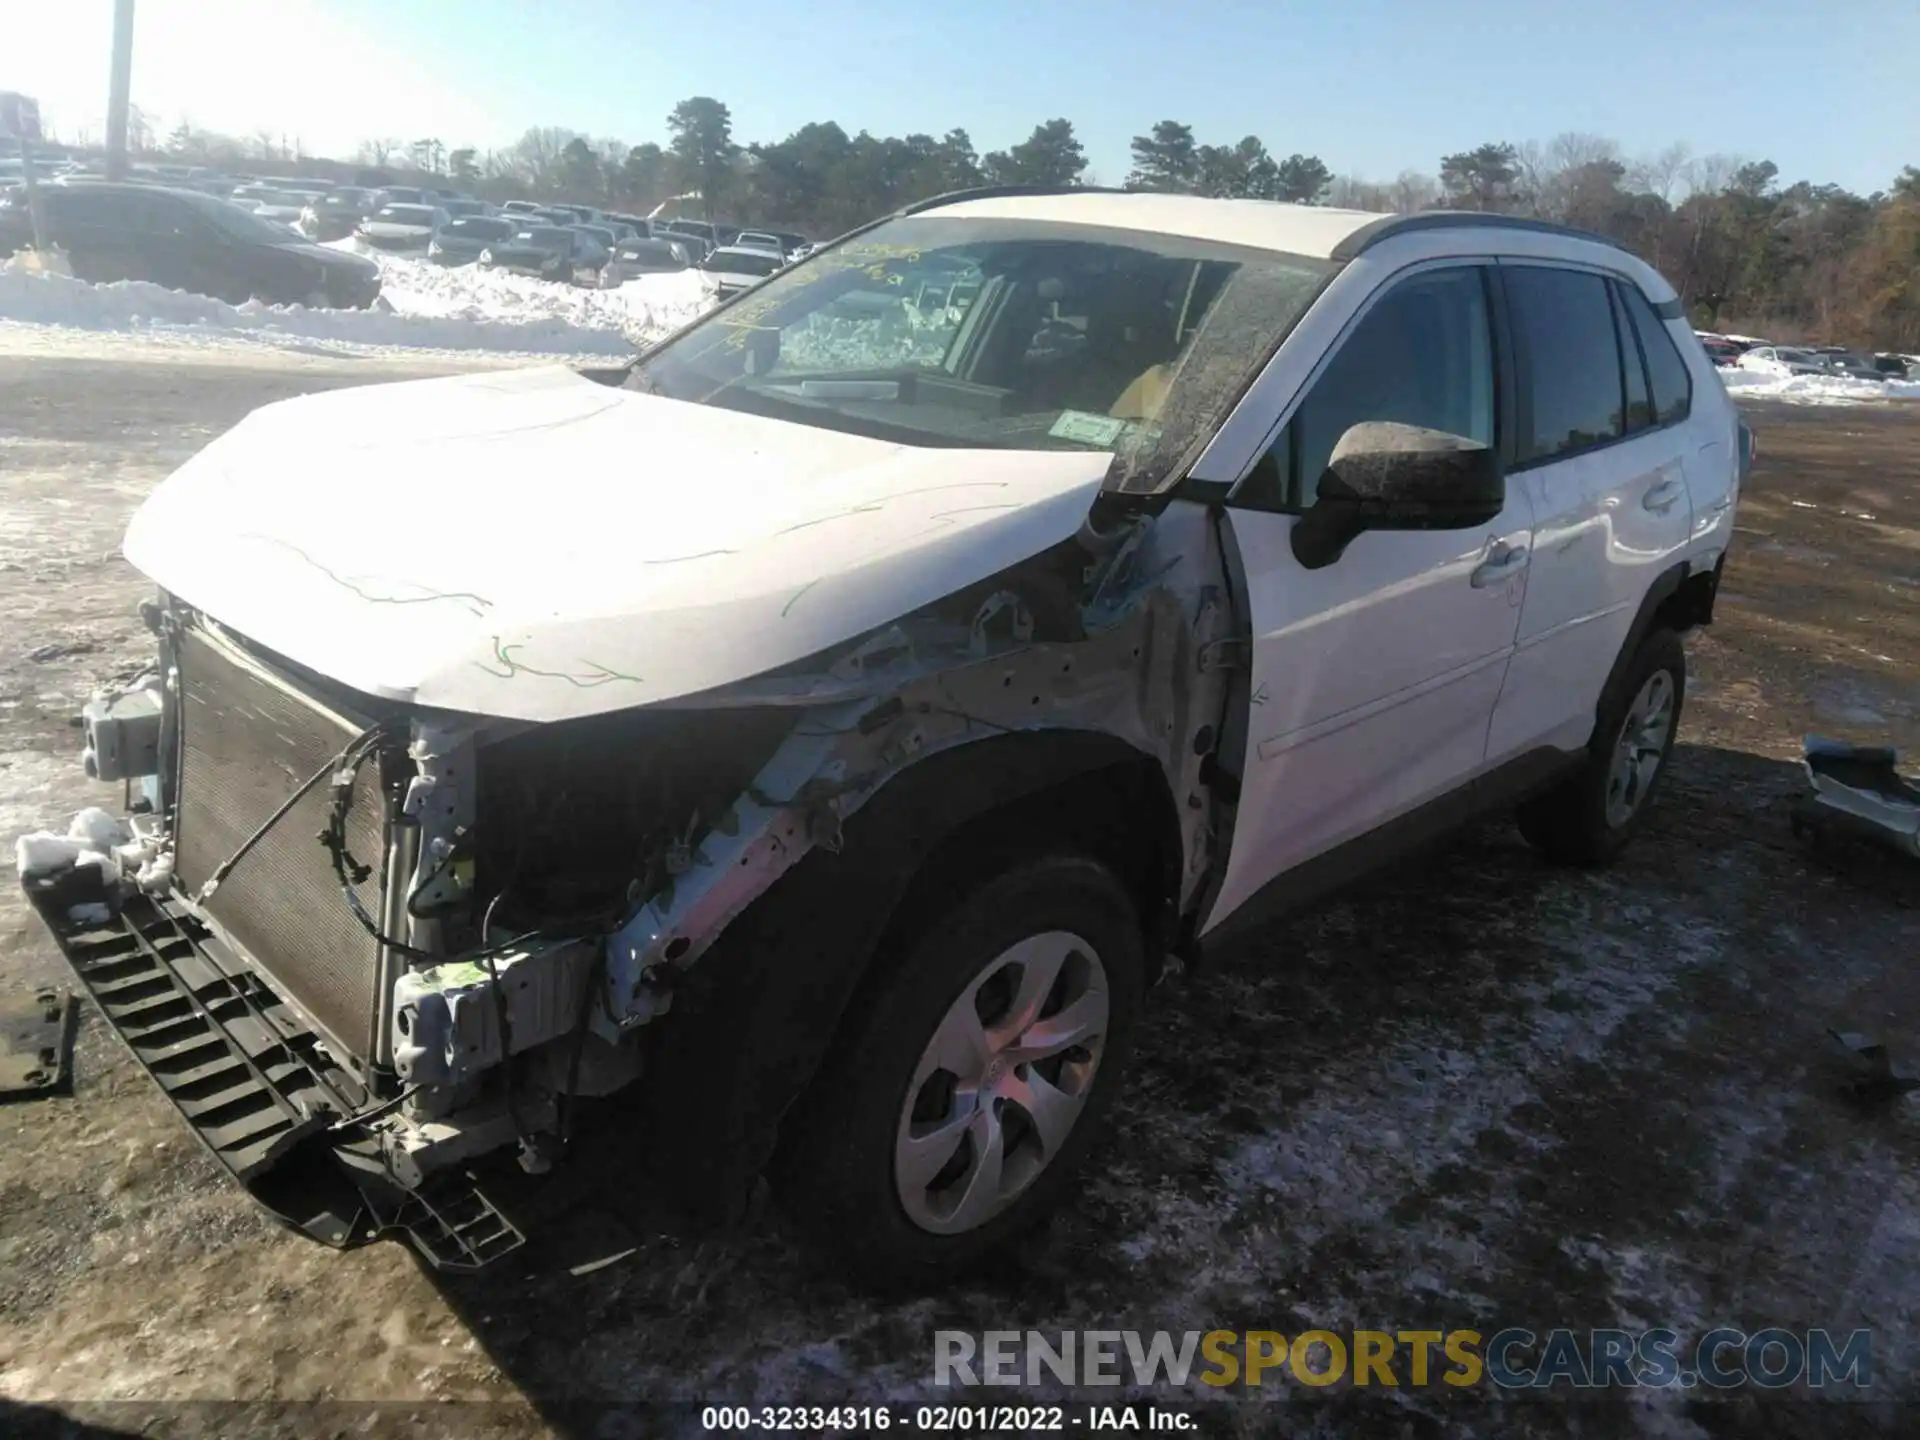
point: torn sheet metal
(36, 1046)
(1860, 789)
(1137, 677)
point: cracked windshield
(1032, 720)
(998, 334)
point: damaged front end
(361, 944)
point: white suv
(882, 679)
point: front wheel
(963, 1093)
(1588, 818)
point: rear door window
(1667, 372)
(1572, 381)
(1639, 399)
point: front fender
(751, 1023)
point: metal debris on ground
(36, 1046)
(1875, 1078)
(1859, 789)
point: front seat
(1130, 349)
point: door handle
(1501, 565)
(1662, 497)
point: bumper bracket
(256, 1085)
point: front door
(1373, 679)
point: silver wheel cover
(1640, 748)
(1001, 1083)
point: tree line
(1798, 261)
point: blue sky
(1825, 88)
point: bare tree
(1664, 174)
(611, 154)
(140, 136)
(1413, 191)
(1350, 192)
(1709, 174)
(536, 155)
(1549, 172)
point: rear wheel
(962, 1096)
(1588, 818)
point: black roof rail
(1388, 226)
(996, 192)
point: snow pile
(642, 310)
(432, 309)
(1757, 384)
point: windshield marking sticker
(1086, 428)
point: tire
(856, 1167)
(1588, 818)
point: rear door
(1373, 678)
(1605, 476)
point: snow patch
(643, 310)
(1757, 384)
(432, 309)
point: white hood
(534, 545)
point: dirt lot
(1476, 1092)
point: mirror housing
(1387, 476)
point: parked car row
(186, 240)
(179, 226)
(1747, 352)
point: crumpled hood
(534, 545)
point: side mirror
(1387, 476)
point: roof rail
(1388, 226)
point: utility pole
(119, 94)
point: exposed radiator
(248, 740)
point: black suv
(185, 240)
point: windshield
(598, 232)
(479, 227)
(741, 262)
(1804, 357)
(1001, 334)
(406, 215)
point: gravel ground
(1476, 1092)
